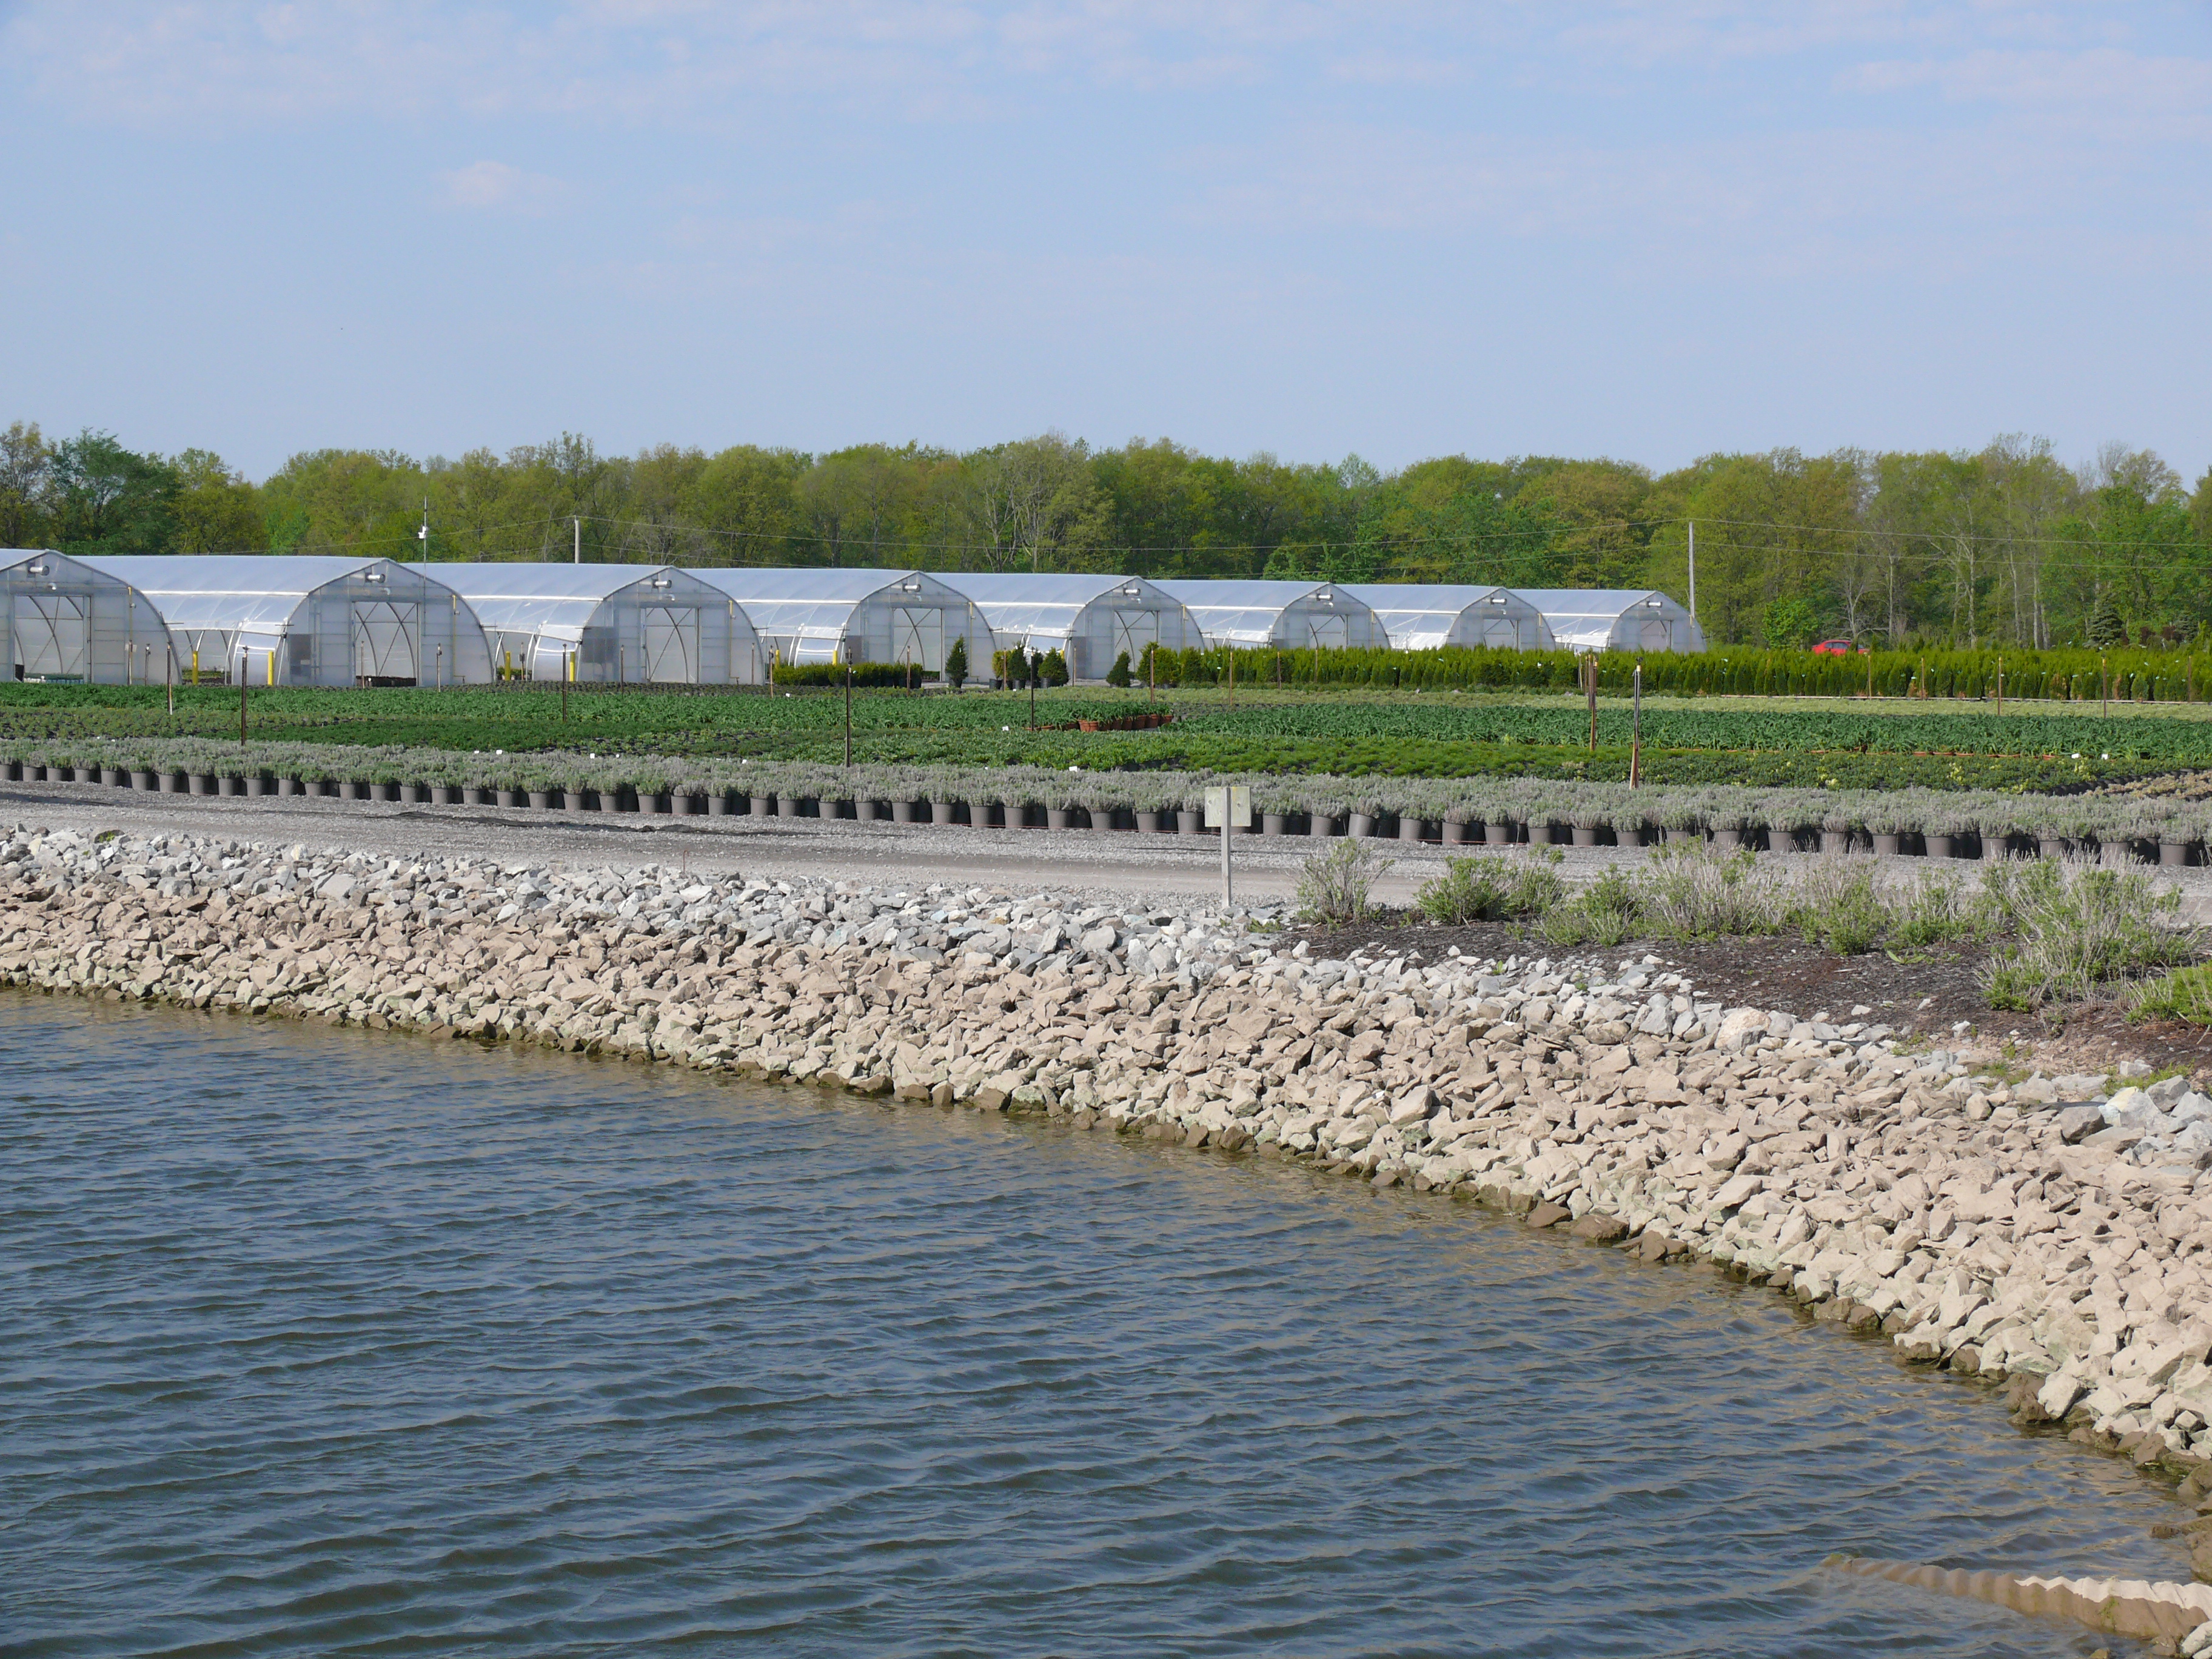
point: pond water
(327, 1342)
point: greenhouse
(67, 621)
(606, 624)
(1288, 615)
(817, 615)
(306, 619)
(1091, 620)
(1426, 616)
(1615, 619)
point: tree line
(2004, 545)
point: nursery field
(1777, 742)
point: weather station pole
(1636, 735)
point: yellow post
(272, 664)
(196, 665)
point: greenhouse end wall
(69, 623)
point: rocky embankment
(2063, 1248)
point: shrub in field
(1935, 910)
(1119, 674)
(2077, 930)
(1836, 903)
(1494, 889)
(1335, 887)
(956, 664)
(1605, 913)
(1699, 892)
(2186, 993)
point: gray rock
(2077, 1123)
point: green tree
(1790, 624)
(956, 664)
(107, 499)
(1119, 675)
(364, 501)
(216, 509)
(2107, 629)
(747, 499)
(1053, 667)
(26, 475)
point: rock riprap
(2059, 1247)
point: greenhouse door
(384, 639)
(54, 637)
(918, 637)
(1502, 634)
(1324, 634)
(1133, 630)
(671, 643)
(1657, 637)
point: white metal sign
(1231, 806)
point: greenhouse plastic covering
(811, 614)
(1019, 605)
(1426, 615)
(554, 600)
(250, 594)
(1601, 618)
(806, 604)
(1251, 612)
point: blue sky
(1646, 230)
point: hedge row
(2072, 675)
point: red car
(1838, 648)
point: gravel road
(1120, 866)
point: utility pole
(423, 534)
(1693, 570)
(578, 523)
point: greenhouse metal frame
(1091, 620)
(606, 624)
(1429, 616)
(1285, 615)
(67, 622)
(306, 619)
(1615, 619)
(825, 614)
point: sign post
(1231, 807)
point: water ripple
(326, 1343)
